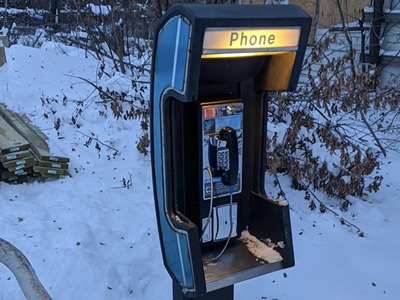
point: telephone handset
(228, 157)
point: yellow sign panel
(245, 38)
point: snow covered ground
(88, 237)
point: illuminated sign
(230, 40)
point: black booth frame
(269, 218)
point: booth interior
(227, 81)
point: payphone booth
(213, 66)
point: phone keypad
(223, 160)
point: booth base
(236, 265)
(222, 294)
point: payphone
(213, 66)
(221, 136)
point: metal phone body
(215, 152)
(215, 155)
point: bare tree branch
(372, 133)
(342, 220)
(97, 140)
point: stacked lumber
(24, 150)
(16, 159)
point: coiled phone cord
(209, 217)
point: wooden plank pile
(3, 43)
(24, 150)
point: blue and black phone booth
(213, 66)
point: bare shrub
(120, 31)
(339, 113)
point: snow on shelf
(260, 249)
